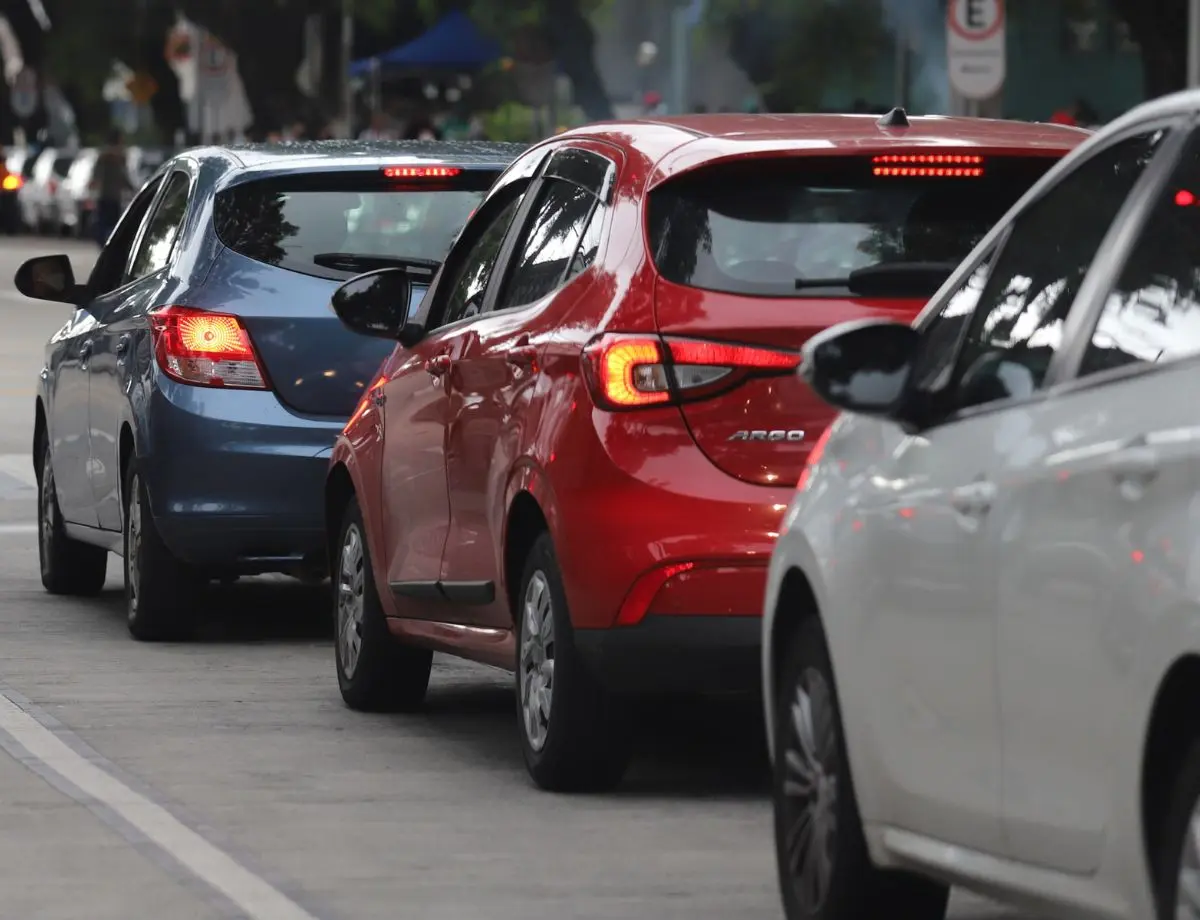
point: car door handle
(122, 345)
(85, 350)
(439, 365)
(522, 356)
(974, 499)
(1137, 463)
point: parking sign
(975, 45)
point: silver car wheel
(810, 790)
(46, 508)
(537, 660)
(133, 549)
(1187, 894)
(350, 602)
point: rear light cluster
(634, 371)
(11, 183)
(205, 349)
(941, 165)
(421, 172)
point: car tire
(825, 870)
(1177, 856)
(161, 592)
(574, 734)
(375, 672)
(68, 566)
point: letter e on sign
(975, 47)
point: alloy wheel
(537, 660)
(1187, 892)
(133, 548)
(350, 601)
(46, 511)
(810, 790)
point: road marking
(18, 528)
(40, 748)
(20, 468)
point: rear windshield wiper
(355, 262)
(888, 279)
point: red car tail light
(11, 183)
(929, 165)
(814, 457)
(633, 371)
(205, 349)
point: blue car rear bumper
(236, 481)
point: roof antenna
(896, 118)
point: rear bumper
(235, 480)
(684, 655)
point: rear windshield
(289, 222)
(800, 227)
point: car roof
(682, 143)
(242, 162)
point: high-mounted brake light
(205, 349)
(632, 371)
(421, 172)
(11, 183)
(940, 165)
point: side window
(474, 267)
(942, 336)
(109, 271)
(590, 244)
(1017, 327)
(548, 244)
(1152, 313)
(154, 251)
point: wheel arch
(795, 603)
(339, 490)
(41, 433)
(525, 523)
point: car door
(120, 313)
(68, 373)
(1090, 541)
(494, 374)
(416, 411)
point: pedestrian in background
(110, 183)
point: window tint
(548, 244)
(1152, 312)
(1017, 327)
(590, 244)
(474, 271)
(290, 222)
(940, 339)
(109, 270)
(802, 226)
(154, 251)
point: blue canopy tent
(452, 43)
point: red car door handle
(522, 356)
(438, 365)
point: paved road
(182, 781)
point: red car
(575, 462)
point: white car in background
(38, 197)
(75, 201)
(982, 631)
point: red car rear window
(772, 228)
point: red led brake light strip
(941, 165)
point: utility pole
(1193, 45)
(347, 60)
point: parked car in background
(19, 164)
(144, 161)
(75, 202)
(575, 462)
(38, 195)
(188, 408)
(11, 181)
(982, 631)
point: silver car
(982, 623)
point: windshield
(291, 227)
(773, 228)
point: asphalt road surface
(224, 778)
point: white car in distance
(982, 622)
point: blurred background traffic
(173, 73)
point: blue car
(187, 409)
